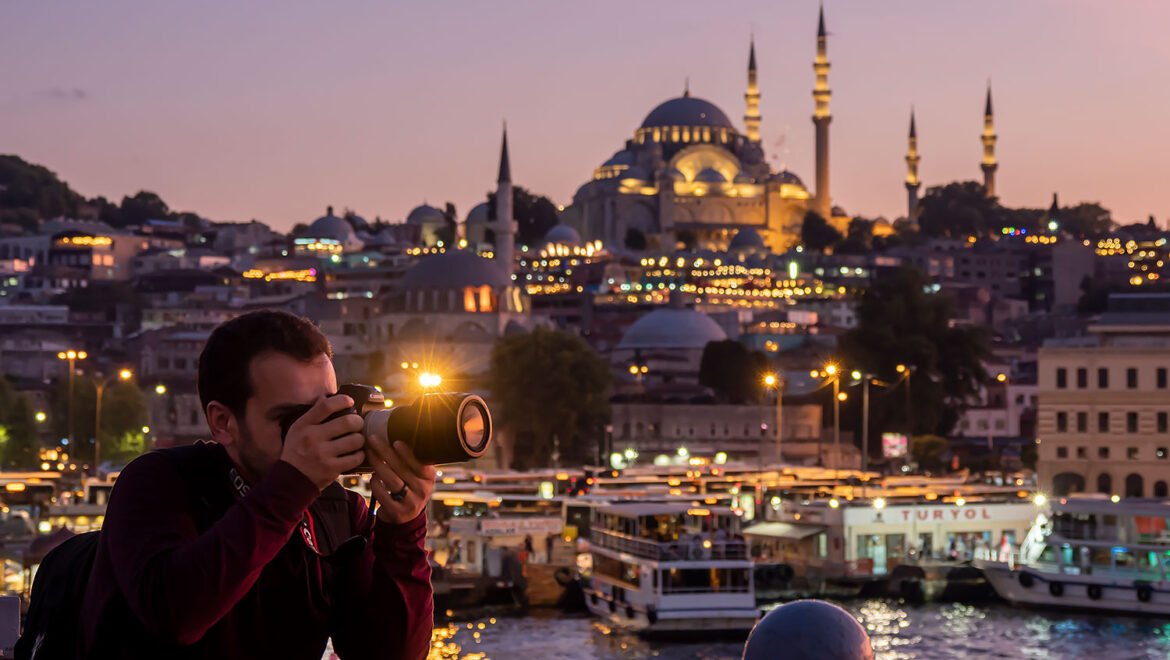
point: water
(898, 631)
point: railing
(702, 550)
(668, 590)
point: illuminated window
(469, 299)
(485, 299)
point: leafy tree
(18, 449)
(928, 452)
(635, 239)
(534, 214)
(958, 210)
(898, 322)
(123, 411)
(816, 233)
(858, 239)
(143, 206)
(124, 447)
(546, 384)
(29, 193)
(731, 371)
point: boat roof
(638, 509)
(1096, 503)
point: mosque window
(469, 299)
(706, 135)
(657, 135)
(674, 134)
(485, 299)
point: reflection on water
(898, 631)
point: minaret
(823, 204)
(505, 225)
(751, 117)
(989, 137)
(913, 183)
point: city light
(125, 374)
(1115, 498)
(831, 369)
(41, 416)
(429, 380)
(682, 451)
(1040, 499)
(842, 396)
(770, 380)
(1001, 377)
(879, 503)
(145, 430)
(834, 503)
(160, 389)
(901, 368)
(856, 375)
(720, 457)
(959, 501)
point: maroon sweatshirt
(248, 586)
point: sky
(274, 110)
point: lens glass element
(472, 425)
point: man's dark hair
(227, 357)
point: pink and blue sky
(273, 110)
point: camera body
(441, 427)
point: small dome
(331, 226)
(635, 172)
(687, 111)
(710, 175)
(424, 214)
(563, 235)
(622, 157)
(672, 328)
(788, 177)
(453, 270)
(478, 214)
(746, 239)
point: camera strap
(307, 529)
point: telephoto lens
(441, 427)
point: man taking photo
(247, 547)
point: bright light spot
(770, 380)
(429, 380)
(160, 389)
(72, 355)
(959, 501)
(682, 451)
(900, 368)
(879, 503)
(1001, 377)
(1115, 498)
(834, 503)
(1040, 499)
(41, 416)
(720, 457)
(831, 369)
(125, 374)
(856, 375)
(146, 429)
(842, 396)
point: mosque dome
(788, 177)
(563, 235)
(687, 111)
(746, 239)
(424, 214)
(623, 157)
(331, 226)
(710, 175)
(672, 328)
(478, 214)
(635, 172)
(456, 269)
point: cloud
(65, 94)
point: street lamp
(71, 356)
(100, 385)
(774, 381)
(429, 381)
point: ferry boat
(1091, 553)
(669, 568)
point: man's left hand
(400, 483)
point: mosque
(688, 175)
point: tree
(1086, 220)
(143, 206)
(731, 371)
(816, 233)
(858, 239)
(549, 384)
(30, 193)
(18, 433)
(123, 411)
(534, 214)
(899, 323)
(958, 210)
(928, 452)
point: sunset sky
(273, 110)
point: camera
(441, 427)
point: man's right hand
(324, 451)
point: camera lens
(473, 426)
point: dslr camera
(441, 427)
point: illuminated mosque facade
(688, 175)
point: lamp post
(776, 382)
(1000, 378)
(100, 385)
(864, 378)
(834, 372)
(71, 356)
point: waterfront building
(1104, 411)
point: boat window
(695, 580)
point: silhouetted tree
(816, 233)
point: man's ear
(223, 424)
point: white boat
(668, 568)
(1091, 553)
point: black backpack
(52, 628)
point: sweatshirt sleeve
(384, 608)
(177, 581)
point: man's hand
(398, 472)
(323, 451)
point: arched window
(1067, 483)
(469, 299)
(1160, 489)
(485, 299)
(1134, 485)
(1104, 484)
